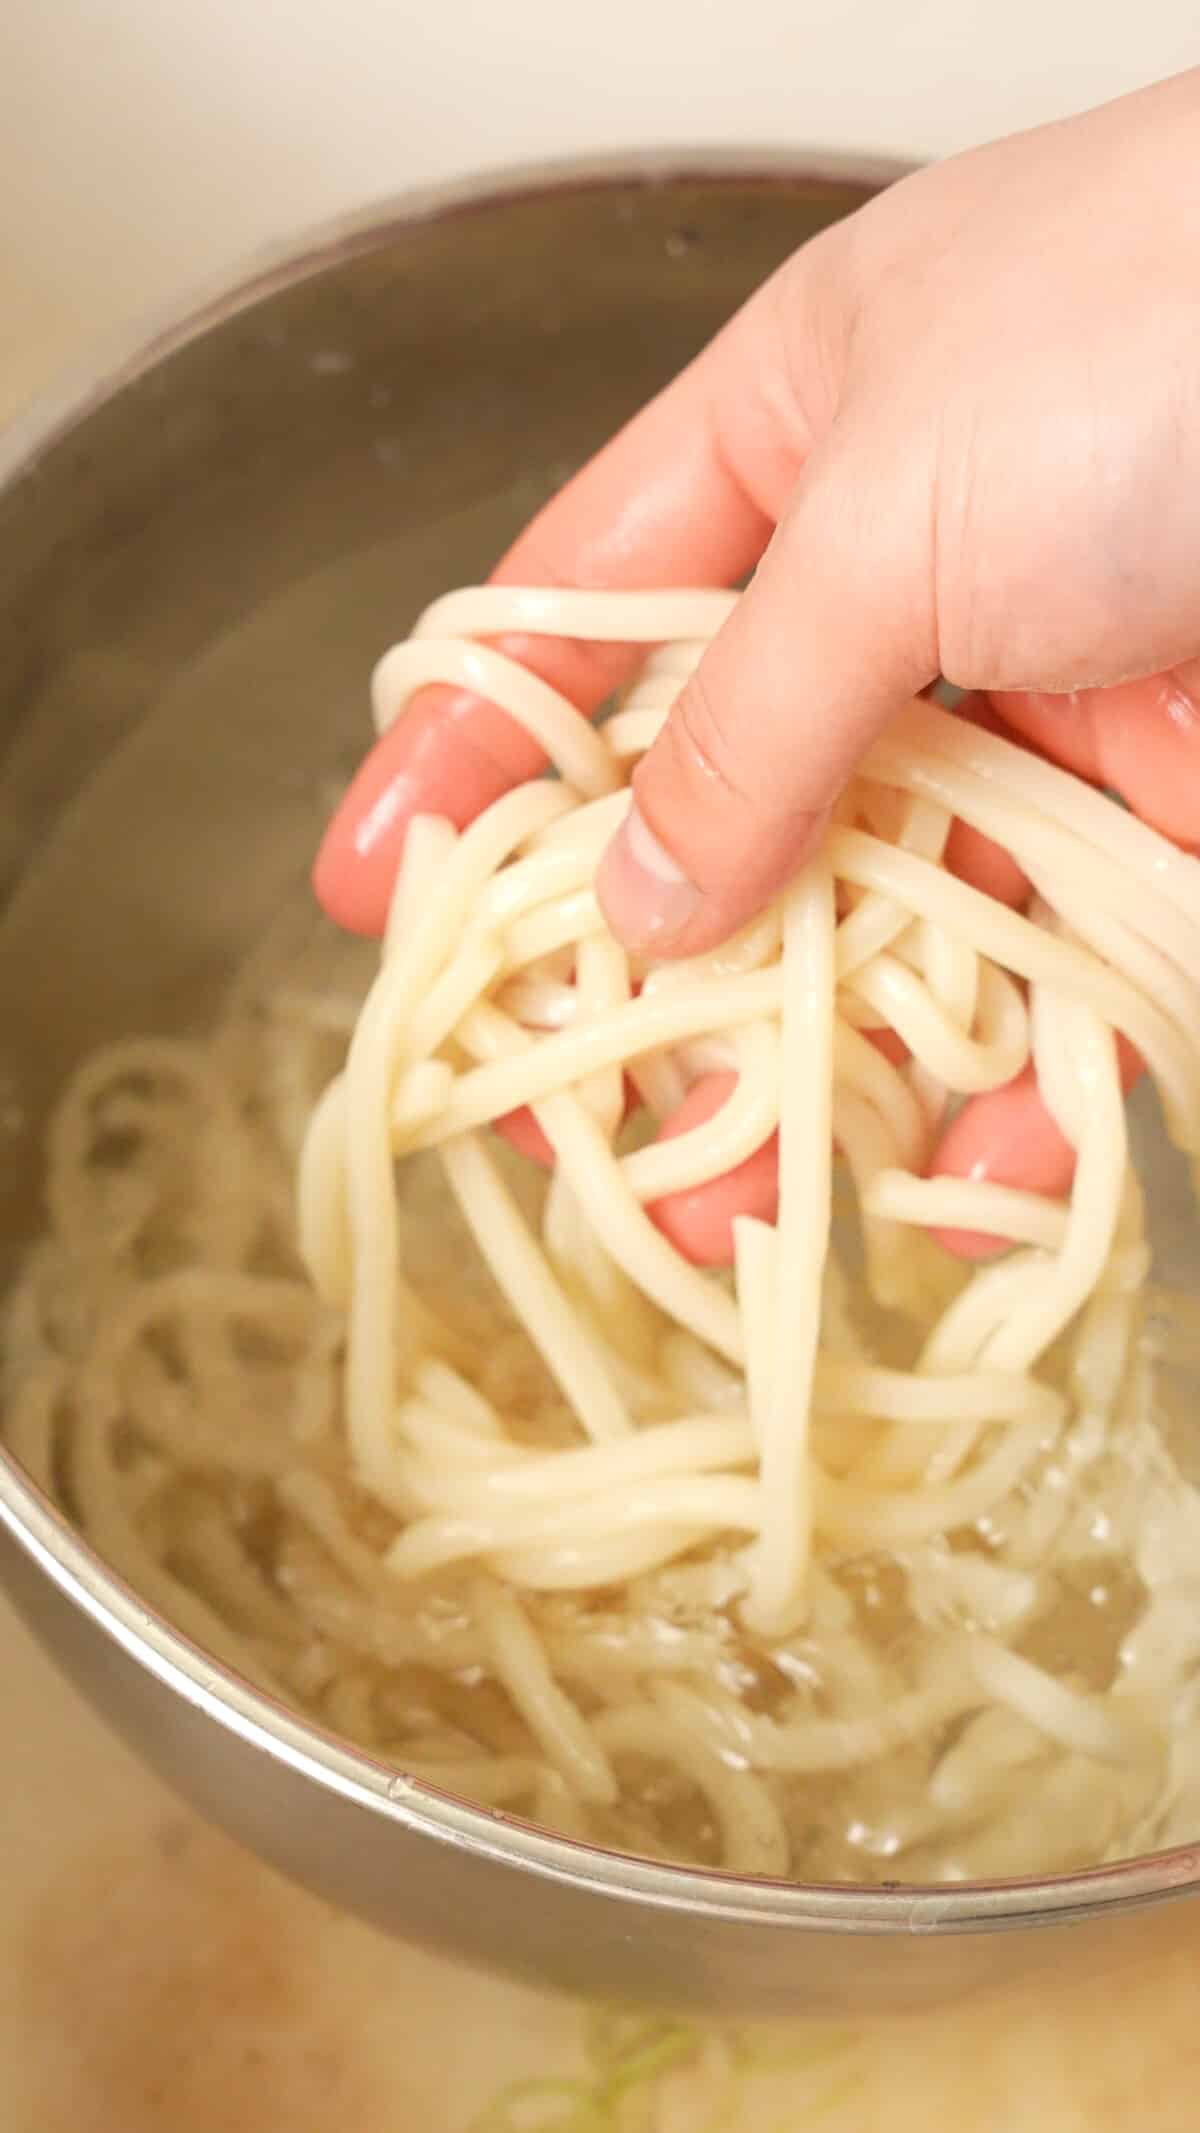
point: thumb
(836, 631)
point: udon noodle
(849, 1562)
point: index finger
(685, 494)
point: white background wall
(147, 143)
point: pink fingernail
(646, 896)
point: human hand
(969, 413)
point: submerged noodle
(835, 1565)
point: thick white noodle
(916, 952)
(559, 1518)
(801, 1241)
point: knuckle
(707, 750)
(1184, 681)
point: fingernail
(645, 894)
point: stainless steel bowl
(201, 553)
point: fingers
(985, 865)
(1007, 1137)
(686, 494)
(451, 754)
(834, 634)
(1140, 739)
(522, 1131)
(699, 1222)
(969, 854)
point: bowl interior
(199, 574)
(200, 569)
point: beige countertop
(159, 1980)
